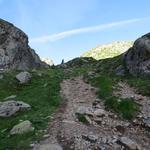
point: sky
(64, 29)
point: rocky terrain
(15, 52)
(83, 123)
(108, 50)
(84, 104)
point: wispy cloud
(65, 34)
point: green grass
(104, 84)
(82, 118)
(126, 108)
(77, 71)
(42, 93)
(142, 84)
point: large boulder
(137, 58)
(9, 108)
(15, 52)
(23, 127)
(24, 77)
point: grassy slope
(107, 80)
(42, 93)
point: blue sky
(64, 29)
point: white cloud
(65, 34)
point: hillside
(108, 50)
(84, 104)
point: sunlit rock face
(137, 58)
(15, 52)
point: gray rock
(85, 111)
(99, 112)
(24, 77)
(88, 120)
(147, 122)
(90, 137)
(50, 147)
(23, 127)
(120, 71)
(137, 58)
(129, 143)
(9, 108)
(15, 52)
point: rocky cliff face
(137, 58)
(15, 52)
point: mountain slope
(108, 50)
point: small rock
(88, 119)
(22, 127)
(85, 111)
(49, 147)
(91, 138)
(98, 120)
(46, 136)
(99, 112)
(129, 143)
(23, 77)
(146, 122)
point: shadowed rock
(137, 58)
(15, 52)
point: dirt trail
(102, 132)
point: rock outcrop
(137, 58)
(15, 52)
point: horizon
(67, 30)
